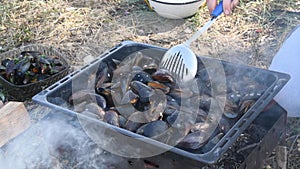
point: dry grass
(84, 29)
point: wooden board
(14, 119)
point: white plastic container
(175, 9)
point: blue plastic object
(218, 10)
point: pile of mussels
(138, 96)
(30, 67)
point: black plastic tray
(80, 79)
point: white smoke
(55, 144)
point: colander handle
(218, 10)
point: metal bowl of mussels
(27, 70)
(132, 108)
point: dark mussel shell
(245, 105)
(10, 68)
(142, 77)
(23, 66)
(135, 121)
(91, 115)
(122, 121)
(231, 109)
(172, 117)
(163, 76)
(96, 109)
(150, 68)
(173, 102)
(112, 117)
(230, 114)
(88, 96)
(30, 54)
(105, 91)
(201, 115)
(43, 60)
(141, 59)
(129, 97)
(205, 102)
(212, 142)
(153, 128)
(137, 69)
(224, 125)
(143, 91)
(102, 74)
(132, 126)
(169, 110)
(160, 86)
(193, 140)
(30, 67)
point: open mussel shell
(163, 76)
(31, 67)
(246, 105)
(150, 68)
(160, 86)
(148, 101)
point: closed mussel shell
(172, 118)
(112, 117)
(122, 121)
(90, 114)
(169, 110)
(132, 125)
(96, 109)
(135, 121)
(142, 77)
(101, 101)
(193, 140)
(153, 128)
(143, 91)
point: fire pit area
(46, 145)
(131, 108)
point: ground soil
(85, 29)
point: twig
(293, 144)
(247, 147)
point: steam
(56, 144)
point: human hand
(228, 5)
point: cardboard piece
(14, 119)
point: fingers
(234, 3)
(211, 4)
(228, 6)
